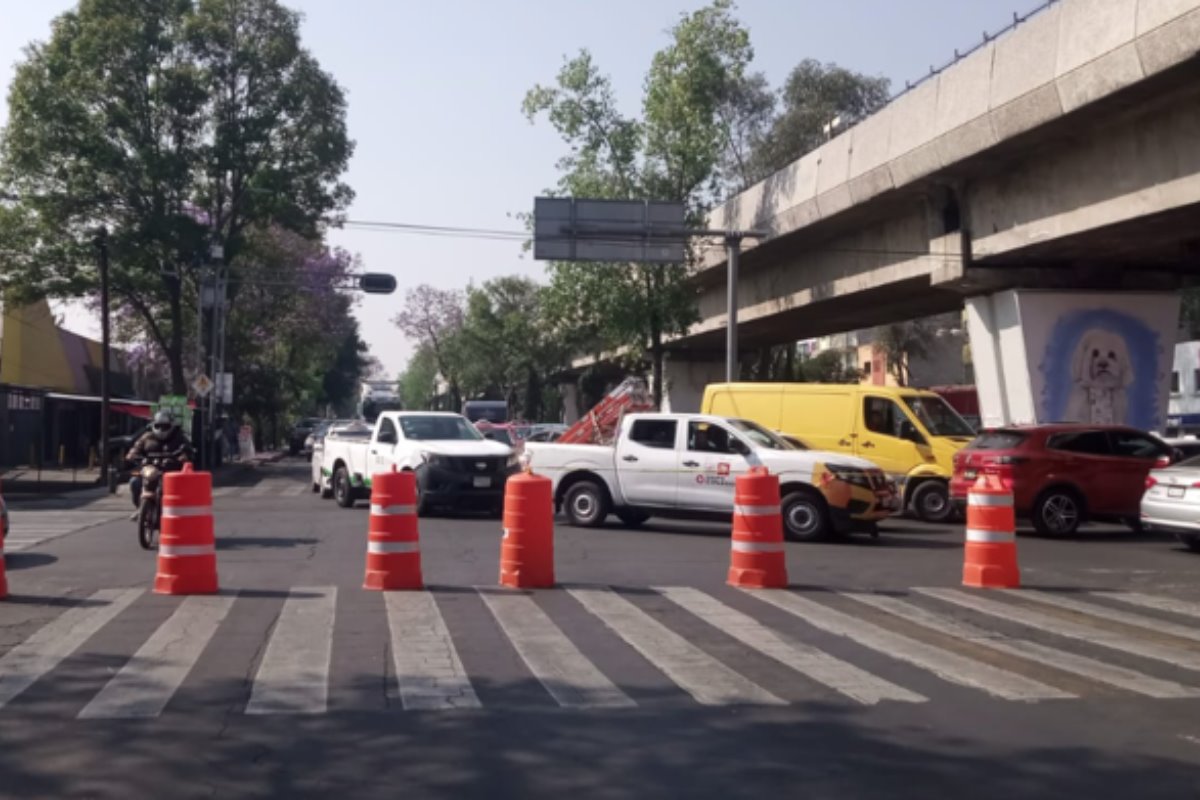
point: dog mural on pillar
(1100, 358)
(1102, 375)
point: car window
(704, 437)
(387, 431)
(761, 437)
(938, 417)
(658, 433)
(997, 440)
(438, 428)
(1092, 443)
(882, 416)
(1130, 444)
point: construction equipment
(599, 426)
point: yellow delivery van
(911, 434)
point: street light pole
(733, 249)
(101, 243)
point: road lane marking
(945, 664)
(1106, 614)
(818, 665)
(293, 677)
(693, 670)
(224, 491)
(429, 673)
(21, 666)
(1093, 633)
(1090, 668)
(147, 682)
(1157, 603)
(293, 491)
(567, 674)
(261, 489)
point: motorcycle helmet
(162, 425)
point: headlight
(852, 475)
(435, 459)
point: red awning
(139, 411)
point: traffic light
(377, 283)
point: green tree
(418, 382)
(672, 153)
(433, 318)
(177, 125)
(903, 342)
(813, 95)
(828, 366)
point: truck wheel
(587, 505)
(632, 517)
(931, 500)
(343, 492)
(805, 516)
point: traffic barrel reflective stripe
(756, 553)
(187, 550)
(393, 539)
(177, 512)
(527, 547)
(393, 511)
(990, 536)
(393, 547)
(990, 549)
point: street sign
(202, 385)
(174, 404)
(623, 231)
(224, 387)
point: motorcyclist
(165, 438)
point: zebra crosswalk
(859, 648)
(31, 528)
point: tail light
(1163, 461)
(1151, 481)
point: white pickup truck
(455, 465)
(687, 464)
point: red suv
(1061, 475)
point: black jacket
(150, 445)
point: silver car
(1171, 501)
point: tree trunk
(657, 354)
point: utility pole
(101, 243)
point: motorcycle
(149, 517)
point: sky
(435, 93)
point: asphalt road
(642, 675)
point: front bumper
(444, 485)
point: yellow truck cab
(911, 434)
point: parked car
(1064, 474)
(300, 431)
(1184, 447)
(1172, 501)
(688, 464)
(911, 434)
(454, 464)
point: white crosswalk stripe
(1062, 660)
(21, 666)
(293, 677)
(553, 659)
(148, 680)
(821, 667)
(1092, 631)
(984, 643)
(1114, 615)
(699, 674)
(28, 529)
(941, 662)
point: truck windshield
(760, 436)
(938, 417)
(436, 428)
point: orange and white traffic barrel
(990, 554)
(187, 549)
(393, 541)
(527, 549)
(756, 558)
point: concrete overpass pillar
(684, 382)
(1066, 356)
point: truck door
(646, 462)
(887, 436)
(708, 467)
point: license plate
(1176, 491)
(482, 482)
(971, 474)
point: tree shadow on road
(25, 560)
